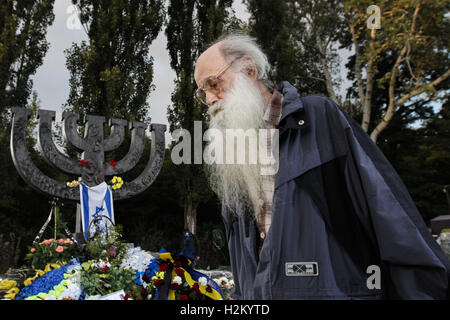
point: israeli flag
(96, 202)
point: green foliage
(289, 42)
(51, 251)
(23, 26)
(107, 246)
(413, 34)
(102, 281)
(421, 156)
(112, 74)
(191, 25)
(102, 274)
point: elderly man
(334, 221)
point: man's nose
(211, 98)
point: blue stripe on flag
(108, 202)
(86, 209)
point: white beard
(238, 184)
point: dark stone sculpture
(93, 147)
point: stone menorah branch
(93, 147)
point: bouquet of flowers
(227, 286)
(52, 251)
(171, 278)
(55, 282)
(101, 278)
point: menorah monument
(92, 168)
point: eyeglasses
(212, 84)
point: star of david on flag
(96, 202)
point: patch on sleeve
(302, 269)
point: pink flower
(32, 250)
(59, 249)
(61, 241)
(46, 242)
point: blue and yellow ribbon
(191, 277)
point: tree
(112, 74)
(191, 25)
(413, 35)
(23, 26)
(320, 25)
(287, 32)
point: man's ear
(249, 67)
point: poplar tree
(285, 37)
(111, 74)
(23, 26)
(191, 26)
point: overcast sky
(51, 80)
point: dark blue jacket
(339, 207)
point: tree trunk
(190, 215)
(323, 60)
(367, 102)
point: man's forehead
(209, 63)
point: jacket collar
(291, 101)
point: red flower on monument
(84, 163)
(113, 163)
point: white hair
(237, 184)
(239, 45)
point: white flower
(137, 259)
(202, 281)
(177, 280)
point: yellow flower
(7, 284)
(11, 293)
(117, 183)
(42, 295)
(30, 280)
(41, 273)
(87, 265)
